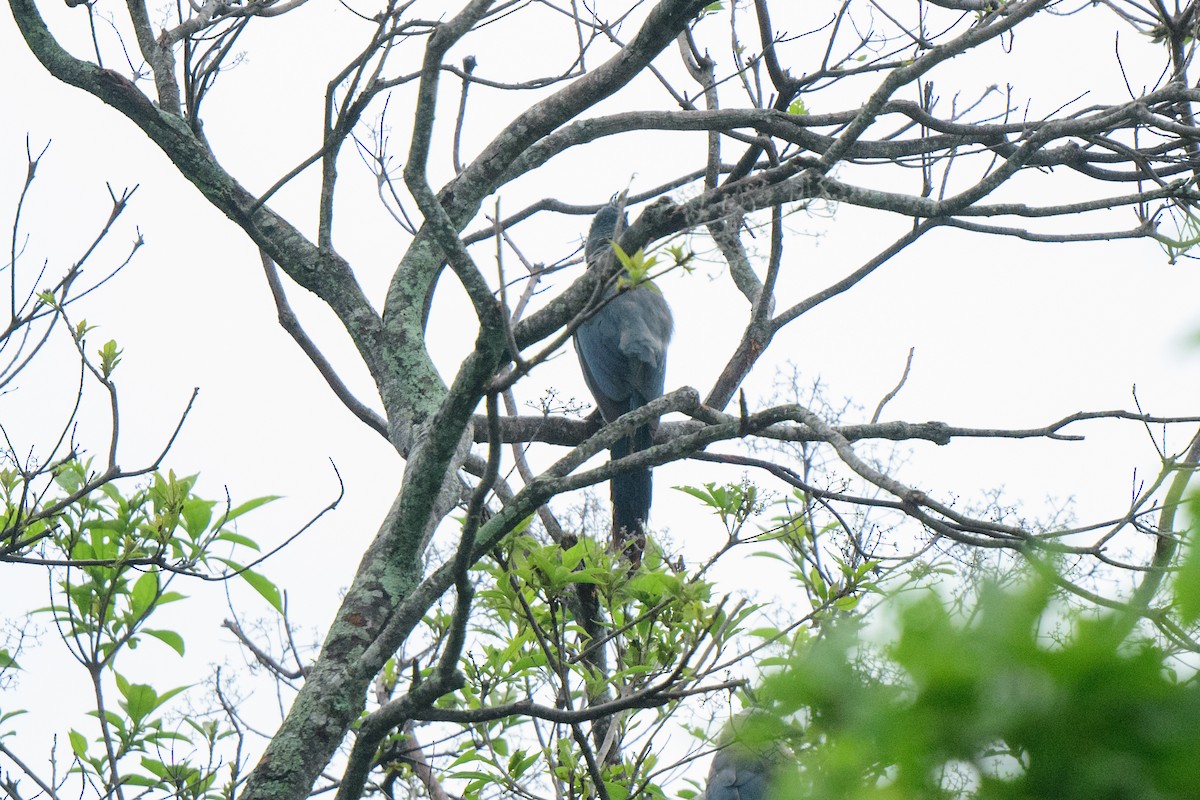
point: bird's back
(740, 774)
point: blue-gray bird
(753, 755)
(623, 352)
(741, 773)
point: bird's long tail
(631, 496)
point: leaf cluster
(993, 707)
(114, 553)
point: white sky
(1007, 334)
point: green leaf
(637, 266)
(1187, 586)
(169, 638)
(140, 780)
(140, 701)
(143, 594)
(68, 479)
(78, 743)
(617, 791)
(269, 591)
(471, 774)
(167, 695)
(110, 356)
(237, 538)
(703, 495)
(112, 718)
(520, 763)
(467, 757)
(250, 505)
(196, 514)
(5, 717)
(159, 737)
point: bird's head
(604, 226)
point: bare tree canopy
(490, 132)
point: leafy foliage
(542, 610)
(1025, 699)
(121, 554)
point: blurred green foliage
(1025, 699)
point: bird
(745, 770)
(622, 351)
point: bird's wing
(603, 367)
(643, 341)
